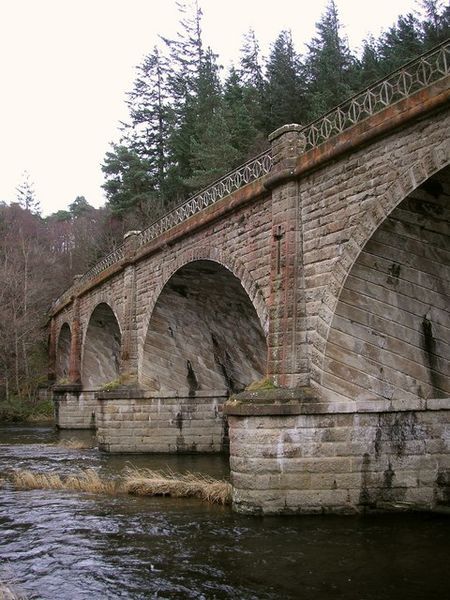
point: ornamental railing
(246, 173)
(107, 261)
(410, 78)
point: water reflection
(80, 546)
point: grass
(147, 482)
(88, 481)
(144, 482)
(261, 385)
(112, 385)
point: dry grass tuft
(146, 482)
(73, 444)
(8, 587)
(87, 481)
(143, 482)
(7, 592)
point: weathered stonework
(133, 421)
(75, 408)
(290, 456)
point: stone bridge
(319, 273)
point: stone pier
(291, 453)
(136, 421)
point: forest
(189, 122)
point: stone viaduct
(319, 272)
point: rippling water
(70, 546)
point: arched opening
(204, 333)
(389, 337)
(63, 353)
(101, 352)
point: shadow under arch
(203, 333)
(101, 348)
(388, 338)
(63, 352)
(410, 179)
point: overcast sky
(65, 66)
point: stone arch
(428, 164)
(233, 265)
(63, 344)
(100, 361)
(204, 331)
(388, 339)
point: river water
(74, 546)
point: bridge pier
(292, 453)
(75, 408)
(138, 421)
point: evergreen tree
(250, 70)
(240, 114)
(251, 77)
(370, 67)
(213, 153)
(400, 43)
(128, 184)
(80, 206)
(436, 23)
(148, 105)
(283, 94)
(26, 195)
(186, 58)
(211, 149)
(330, 67)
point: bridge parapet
(410, 78)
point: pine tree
(80, 206)
(283, 94)
(241, 116)
(213, 153)
(330, 67)
(370, 67)
(148, 105)
(129, 184)
(400, 43)
(436, 22)
(250, 69)
(250, 73)
(26, 195)
(186, 58)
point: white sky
(65, 66)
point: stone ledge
(67, 388)
(136, 394)
(303, 402)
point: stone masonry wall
(240, 242)
(341, 462)
(143, 422)
(74, 409)
(390, 333)
(345, 201)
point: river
(74, 546)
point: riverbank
(17, 410)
